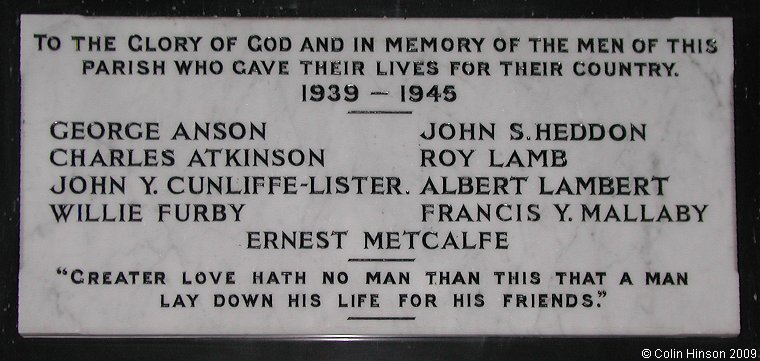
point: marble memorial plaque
(258, 177)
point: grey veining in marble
(670, 216)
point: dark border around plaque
(745, 14)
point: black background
(746, 16)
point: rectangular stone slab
(255, 177)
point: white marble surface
(688, 139)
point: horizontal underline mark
(381, 318)
(379, 112)
(381, 259)
(380, 93)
